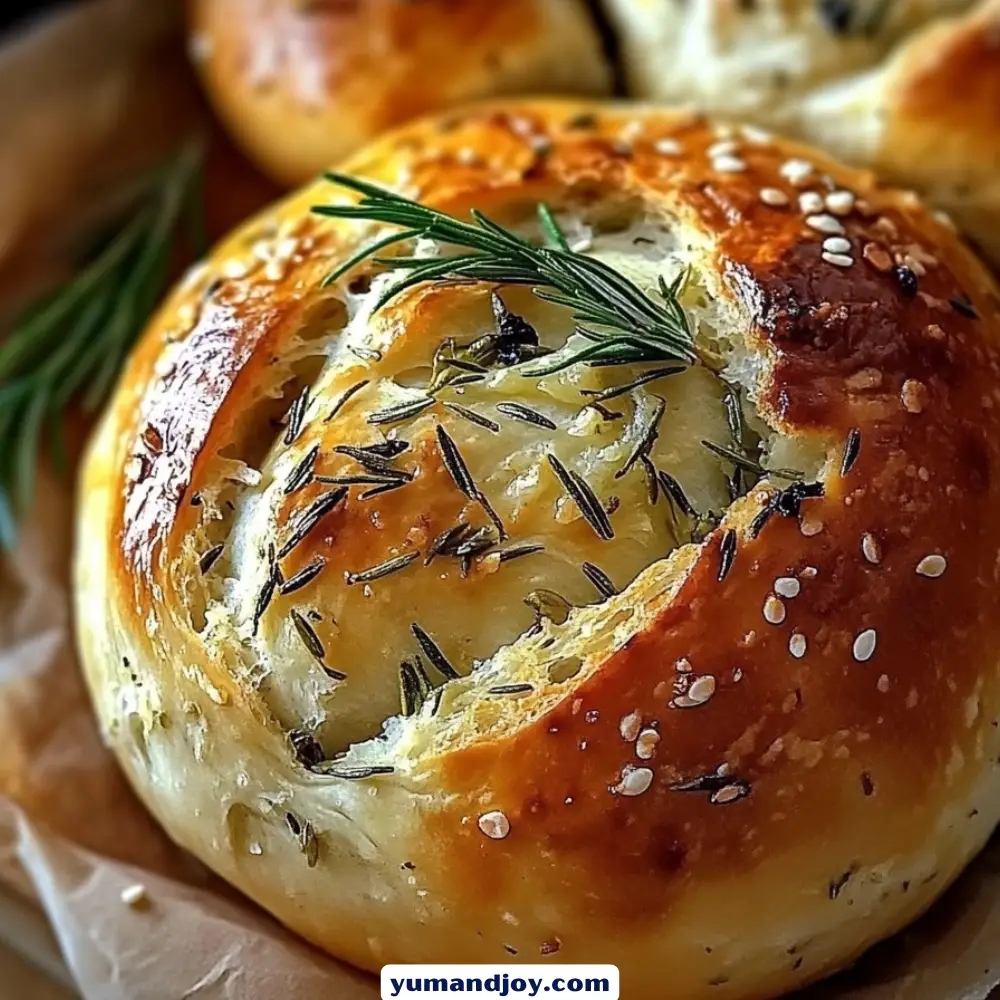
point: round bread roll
(910, 88)
(440, 659)
(303, 83)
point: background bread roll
(766, 741)
(910, 88)
(302, 83)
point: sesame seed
(796, 171)
(840, 202)
(774, 610)
(700, 691)
(134, 896)
(810, 527)
(645, 745)
(787, 586)
(878, 257)
(864, 645)
(494, 824)
(810, 202)
(797, 645)
(728, 165)
(667, 147)
(870, 548)
(774, 197)
(729, 793)
(683, 665)
(883, 683)
(913, 396)
(727, 147)
(630, 726)
(825, 223)
(837, 259)
(945, 219)
(837, 244)
(635, 781)
(932, 566)
(235, 268)
(809, 573)
(758, 136)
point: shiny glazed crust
(303, 84)
(735, 774)
(910, 89)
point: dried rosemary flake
(517, 551)
(473, 417)
(411, 688)
(433, 653)
(382, 569)
(304, 576)
(374, 462)
(303, 473)
(727, 553)
(345, 396)
(646, 441)
(371, 479)
(511, 689)
(210, 558)
(652, 482)
(308, 636)
(395, 414)
(307, 749)
(296, 416)
(743, 462)
(600, 580)
(446, 541)
(605, 412)
(526, 414)
(266, 592)
(384, 488)
(599, 396)
(306, 837)
(585, 498)
(352, 773)
(851, 451)
(673, 489)
(459, 472)
(310, 517)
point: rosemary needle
(622, 322)
(71, 345)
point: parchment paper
(85, 102)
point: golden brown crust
(301, 85)
(834, 767)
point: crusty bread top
(742, 769)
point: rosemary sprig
(621, 322)
(71, 344)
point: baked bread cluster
(303, 83)
(445, 638)
(910, 88)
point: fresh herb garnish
(70, 346)
(622, 323)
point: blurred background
(13, 12)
